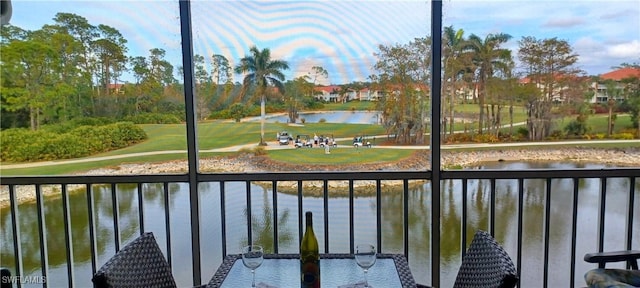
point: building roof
(328, 89)
(620, 74)
(115, 86)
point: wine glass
(365, 257)
(252, 257)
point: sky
(342, 36)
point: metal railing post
(192, 143)
(436, 85)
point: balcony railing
(93, 187)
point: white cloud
(625, 50)
(564, 22)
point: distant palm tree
(262, 72)
(453, 44)
(488, 58)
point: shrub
(523, 132)
(556, 135)
(237, 111)
(77, 122)
(485, 138)
(576, 128)
(21, 145)
(622, 136)
(222, 114)
(244, 150)
(459, 138)
(153, 118)
(322, 120)
(259, 151)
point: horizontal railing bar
(315, 176)
(104, 179)
(310, 176)
(540, 173)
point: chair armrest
(631, 256)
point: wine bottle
(309, 256)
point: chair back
(5, 277)
(486, 265)
(139, 264)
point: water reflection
(478, 205)
(262, 226)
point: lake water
(351, 117)
(365, 215)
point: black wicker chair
(5, 278)
(485, 265)
(139, 264)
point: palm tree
(488, 58)
(453, 43)
(262, 72)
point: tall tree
(454, 67)
(222, 78)
(262, 72)
(295, 90)
(317, 72)
(66, 80)
(549, 65)
(27, 74)
(110, 62)
(85, 33)
(204, 86)
(488, 57)
(632, 100)
(400, 76)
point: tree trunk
(262, 118)
(511, 119)
(481, 116)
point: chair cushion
(612, 278)
(486, 265)
(139, 264)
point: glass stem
(366, 283)
(253, 277)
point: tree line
(73, 69)
(480, 70)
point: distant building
(115, 88)
(327, 93)
(601, 95)
(334, 93)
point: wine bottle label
(310, 273)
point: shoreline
(247, 163)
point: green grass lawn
(342, 155)
(212, 135)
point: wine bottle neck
(309, 220)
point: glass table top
(333, 273)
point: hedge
(23, 145)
